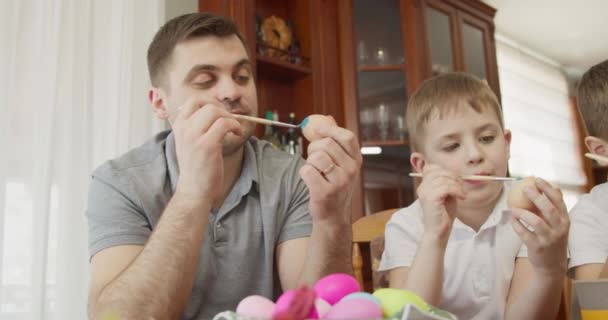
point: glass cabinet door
(474, 50)
(382, 100)
(440, 42)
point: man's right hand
(438, 193)
(200, 129)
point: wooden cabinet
(389, 48)
(309, 87)
(366, 57)
(313, 88)
(459, 36)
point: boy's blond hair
(592, 100)
(445, 93)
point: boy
(457, 246)
(589, 235)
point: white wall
(174, 8)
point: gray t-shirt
(267, 205)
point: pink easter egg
(284, 302)
(356, 308)
(256, 307)
(335, 286)
(322, 307)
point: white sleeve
(588, 238)
(402, 234)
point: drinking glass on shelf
(381, 55)
(383, 121)
(367, 124)
(400, 128)
(362, 54)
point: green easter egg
(393, 300)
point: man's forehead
(210, 50)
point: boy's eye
(487, 139)
(450, 147)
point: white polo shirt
(478, 266)
(588, 238)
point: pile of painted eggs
(336, 296)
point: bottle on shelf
(270, 133)
(292, 136)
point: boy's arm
(437, 194)
(538, 280)
(533, 296)
(425, 276)
(590, 271)
(604, 274)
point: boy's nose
(474, 155)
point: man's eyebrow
(242, 62)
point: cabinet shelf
(281, 69)
(388, 67)
(386, 143)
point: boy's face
(467, 142)
(216, 70)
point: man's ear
(597, 146)
(157, 98)
(417, 161)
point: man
(201, 216)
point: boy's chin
(481, 196)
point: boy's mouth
(477, 183)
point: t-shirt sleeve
(523, 251)
(402, 234)
(113, 216)
(588, 238)
(297, 222)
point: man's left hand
(330, 173)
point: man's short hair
(182, 28)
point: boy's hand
(438, 193)
(547, 243)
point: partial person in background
(457, 246)
(205, 214)
(588, 242)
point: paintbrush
(475, 177)
(596, 157)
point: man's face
(468, 142)
(216, 70)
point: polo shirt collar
(498, 212)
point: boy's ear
(417, 161)
(157, 99)
(508, 138)
(597, 146)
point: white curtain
(73, 82)
(537, 109)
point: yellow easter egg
(392, 300)
(516, 197)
